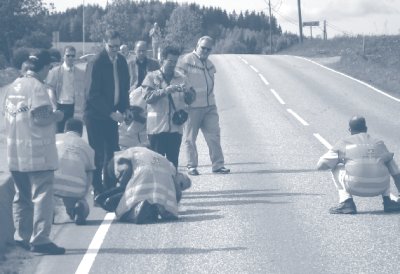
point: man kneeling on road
(361, 166)
(149, 187)
(75, 173)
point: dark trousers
(103, 138)
(167, 144)
(68, 110)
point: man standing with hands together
(107, 101)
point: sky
(349, 17)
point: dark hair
(38, 60)
(111, 34)
(357, 124)
(73, 124)
(173, 50)
(69, 47)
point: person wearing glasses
(362, 166)
(66, 83)
(203, 113)
(107, 101)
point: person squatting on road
(30, 124)
(108, 99)
(132, 131)
(167, 94)
(150, 187)
(203, 112)
(75, 173)
(66, 83)
(361, 165)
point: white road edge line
(295, 115)
(277, 96)
(244, 61)
(253, 68)
(94, 247)
(347, 76)
(263, 79)
(322, 140)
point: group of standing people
(170, 98)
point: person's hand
(58, 115)
(117, 116)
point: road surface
(270, 215)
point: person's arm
(152, 93)
(328, 161)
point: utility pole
(325, 33)
(270, 27)
(300, 21)
(83, 27)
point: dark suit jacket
(100, 101)
(151, 65)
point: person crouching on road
(30, 124)
(150, 187)
(361, 165)
(132, 131)
(75, 174)
(167, 94)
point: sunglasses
(205, 48)
(113, 46)
(70, 55)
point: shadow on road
(155, 251)
(266, 171)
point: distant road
(278, 115)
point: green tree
(183, 27)
(18, 18)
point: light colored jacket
(200, 76)
(30, 147)
(76, 161)
(159, 108)
(367, 163)
(153, 180)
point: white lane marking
(354, 79)
(244, 61)
(253, 68)
(277, 96)
(295, 115)
(94, 247)
(263, 79)
(322, 140)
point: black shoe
(346, 207)
(390, 205)
(23, 244)
(145, 213)
(193, 171)
(222, 170)
(50, 249)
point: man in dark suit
(140, 64)
(107, 102)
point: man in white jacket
(361, 166)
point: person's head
(156, 25)
(357, 125)
(39, 62)
(124, 50)
(141, 50)
(204, 47)
(113, 42)
(169, 58)
(69, 55)
(75, 125)
(25, 67)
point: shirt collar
(67, 68)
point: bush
(55, 55)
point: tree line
(29, 24)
